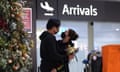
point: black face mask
(63, 35)
(55, 32)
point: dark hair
(73, 35)
(53, 23)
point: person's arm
(53, 54)
(62, 49)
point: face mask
(63, 35)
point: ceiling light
(117, 29)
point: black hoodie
(48, 52)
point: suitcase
(111, 58)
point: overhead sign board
(78, 10)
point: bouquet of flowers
(70, 51)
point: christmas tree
(15, 44)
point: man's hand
(53, 70)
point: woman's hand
(71, 56)
(53, 70)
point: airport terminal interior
(105, 33)
(97, 22)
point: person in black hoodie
(67, 38)
(50, 58)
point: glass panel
(106, 33)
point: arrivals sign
(78, 10)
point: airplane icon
(46, 6)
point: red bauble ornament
(3, 24)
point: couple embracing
(55, 55)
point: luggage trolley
(93, 63)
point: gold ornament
(14, 40)
(18, 5)
(26, 55)
(19, 18)
(31, 44)
(17, 8)
(19, 52)
(23, 58)
(25, 33)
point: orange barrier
(111, 58)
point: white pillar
(90, 36)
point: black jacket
(62, 51)
(50, 58)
